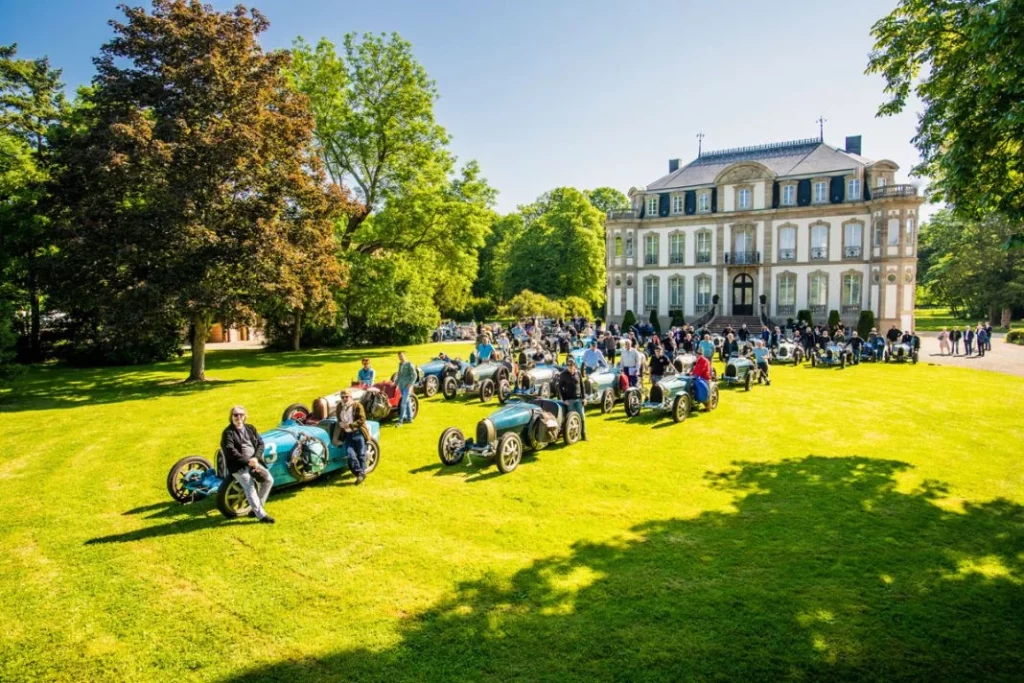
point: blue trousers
(576, 406)
(355, 444)
(404, 411)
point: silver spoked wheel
(633, 403)
(372, 455)
(510, 452)
(608, 401)
(681, 408)
(449, 447)
(430, 386)
(713, 398)
(573, 428)
(414, 406)
(231, 500)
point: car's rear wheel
(181, 472)
(798, 356)
(296, 411)
(504, 391)
(430, 386)
(231, 500)
(450, 388)
(749, 380)
(449, 447)
(633, 402)
(414, 406)
(681, 407)
(607, 401)
(510, 452)
(486, 390)
(573, 428)
(372, 455)
(713, 398)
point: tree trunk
(354, 221)
(993, 315)
(297, 331)
(1006, 318)
(202, 329)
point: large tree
(964, 59)
(31, 103)
(606, 199)
(193, 186)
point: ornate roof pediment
(743, 171)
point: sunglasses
(237, 414)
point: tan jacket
(358, 421)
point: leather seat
(389, 390)
(321, 411)
(549, 406)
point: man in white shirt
(629, 360)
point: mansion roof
(798, 158)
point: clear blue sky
(548, 93)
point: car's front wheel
(185, 469)
(231, 500)
(749, 380)
(573, 428)
(510, 452)
(607, 401)
(633, 402)
(681, 407)
(414, 406)
(450, 388)
(486, 390)
(430, 386)
(449, 447)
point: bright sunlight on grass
(857, 524)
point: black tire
(633, 402)
(887, 356)
(607, 401)
(431, 385)
(573, 428)
(814, 360)
(181, 469)
(486, 390)
(414, 406)
(798, 357)
(749, 381)
(450, 387)
(372, 455)
(449, 446)
(504, 391)
(293, 411)
(510, 452)
(231, 500)
(842, 361)
(681, 408)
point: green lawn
(859, 524)
(934, 319)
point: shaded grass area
(839, 525)
(934, 319)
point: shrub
(678, 320)
(526, 304)
(628, 320)
(833, 319)
(577, 307)
(1015, 337)
(865, 323)
(654, 323)
(805, 316)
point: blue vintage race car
(604, 388)
(873, 350)
(503, 434)
(296, 451)
(539, 381)
(674, 394)
(432, 374)
(833, 354)
(741, 370)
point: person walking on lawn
(570, 389)
(405, 381)
(243, 447)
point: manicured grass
(934, 319)
(857, 524)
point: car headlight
(485, 431)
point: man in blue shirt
(593, 359)
(707, 347)
(761, 358)
(366, 374)
(484, 350)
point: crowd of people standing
(976, 340)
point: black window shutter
(690, 203)
(837, 189)
(803, 193)
(663, 201)
(714, 200)
(867, 190)
(775, 194)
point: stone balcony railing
(886, 191)
(623, 214)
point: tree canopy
(964, 59)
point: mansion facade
(802, 224)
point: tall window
(852, 189)
(704, 202)
(820, 192)
(817, 295)
(677, 203)
(853, 235)
(788, 195)
(629, 246)
(894, 231)
(676, 247)
(876, 239)
(651, 294)
(787, 243)
(652, 206)
(651, 250)
(743, 246)
(882, 182)
(743, 198)
(851, 290)
(704, 247)
(786, 303)
(703, 290)
(819, 242)
(675, 293)
(618, 246)
(910, 230)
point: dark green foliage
(833, 319)
(655, 323)
(1015, 337)
(628, 320)
(606, 199)
(8, 341)
(865, 323)
(478, 308)
(678, 320)
(123, 333)
(804, 316)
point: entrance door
(743, 295)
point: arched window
(819, 242)
(787, 243)
(703, 247)
(676, 247)
(675, 293)
(785, 301)
(629, 246)
(817, 293)
(853, 238)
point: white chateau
(804, 224)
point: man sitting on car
(351, 432)
(484, 350)
(366, 374)
(761, 358)
(243, 447)
(701, 373)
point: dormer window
(853, 189)
(743, 199)
(704, 202)
(677, 203)
(788, 195)
(820, 192)
(652, 207)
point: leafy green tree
(193, 186)
(388, 300)
(971, 269)
(31, 103)
(577, 307)
(606, 199)
(964, 60)
(494, 256)
(527, 304)
(561, 252)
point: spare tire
(376, 405)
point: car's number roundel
(270, 453)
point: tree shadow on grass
(824, 571)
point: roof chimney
(853, 144)
(673, 165)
